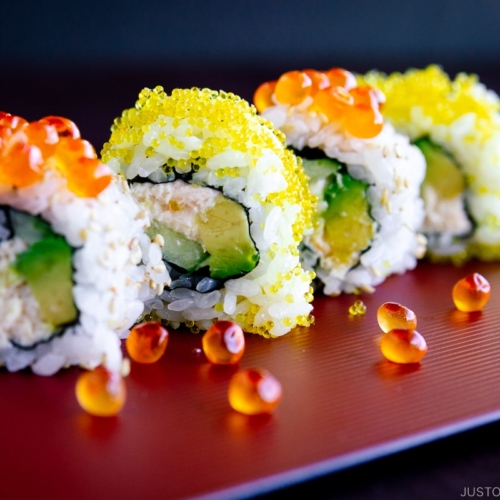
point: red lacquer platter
(343, 404)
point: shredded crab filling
(36, 300)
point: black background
(89, 60)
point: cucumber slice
(28, 227)
(320, 169)
(47, 268)
(178, 249)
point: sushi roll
(69, 250)
(456, 125)
(228, 203)
(366, 175)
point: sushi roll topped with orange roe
(366, 176)
(68, 262)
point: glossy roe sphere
(293, 87)
(254, 391)
(101, 392)
(391, 316)
(403, 346)
(263, 96)
(147, 342)
(224, 343)
(471, 293)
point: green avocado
(224, 232)
(47, 268)
(348, 226)
(443, 173)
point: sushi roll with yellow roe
(456, 124)
(366, 175)
(228, 203)
(69, 250)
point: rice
(194, 149)
(461, 116)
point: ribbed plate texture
(343, 404)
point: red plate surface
(343, 404)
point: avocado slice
(224, 232)
(178, 249)
(46, 265)
(348, 226)
(443, 174)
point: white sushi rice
(461, 116)
(108, 282)
(273, 293)
(394, 170)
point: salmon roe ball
(319, 80)
(392, 315)
(262, 97)
(11, 121)
(333, 102)
(43, 136)
(100, 392)
(147, 342)
(254, 391)
(63, 126)
(471, 293)
(292, 88)
(224, 343)
(403, 346)
(87, 177)
(22, 166)
(339, 77)
(363, 121)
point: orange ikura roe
(363, 121)
(254, 391)
(471, 293)
(391, 316)
(293, 87)
(101, 392)
(339, 77)
(336, 98)
(319, 80)
(63, 126)
(147, 342)
(27, 150)
(403, 346)
(224, 343)
(333, 102)
(22, 166)
(262, 97)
